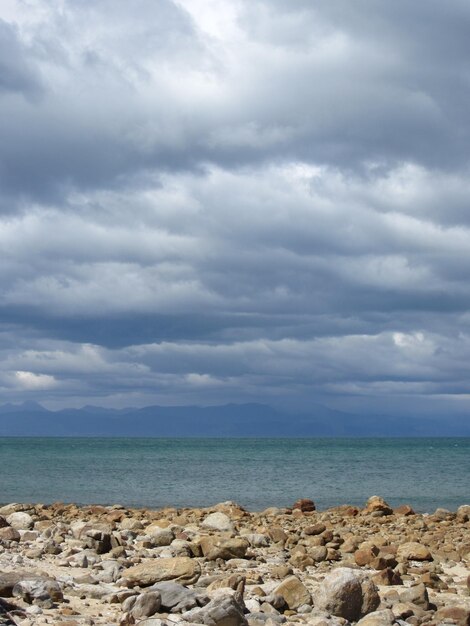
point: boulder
(378, 618)
(20, 521)
(294, 592)
(180, 569)
(41, 591)
(305, 505)
(218, 521)
(8, 533)
(458, 615)
(216, 548)
(417, 594)
(346, 593)
(144, 605)
(175, 597)
(225, 610)
(377, 505)
(413, 551)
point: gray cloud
(225, 201)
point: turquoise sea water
(426, 473)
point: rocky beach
(225, 566)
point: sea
(256, 473)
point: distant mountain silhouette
(229, 420)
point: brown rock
(180, 569)
(294, 592)
(387, 577)
(215, 548)
(277, 534)
(305, 505)
(453, 615)
(8, 533)
(365, 555)
(377, 505)
(417, 594)
(315, 529)
(404, 509)
(346, 593)
(413, 551)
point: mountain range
(30, 419)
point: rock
(215, 548)
(160, 536)
(387, 576)
(377, 505)
(364, 556)
(8, 533)
(3, 522)
(20, 521)
(8, 580)
(453, 615)
(173, 595)
(42, 591)
(218, 521)
(257, 540)
(416, 594)
(315, 529)
(432, 580)
(345, 593)
(305, 505)
(404, 509)
(413, 551)
(277, 534)
(378, 618)
(145, 605)
(294, 592)
(318, 554)
(180, 569)
(224, 610)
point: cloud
(218, 201)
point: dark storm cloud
(211, 201)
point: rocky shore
(225, 566)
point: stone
(413, 551)
(8, 533)
(378, 618)
(160, 536)
(294, 592)
(144, 605)
(463, 513)
(215, 548)
(376, 504)
(20, 521)
(364, 556)
(173, 595)
(41, 591)
(404, 509)
(417, 594)
(305, 505)
(225, 610)
(318, 554)
(3, 522)
(277, 534)
(315, 529)
(458, 615)
(387, 576)
(218, 521)
(345, 593)
(180, 569)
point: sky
(211, 201)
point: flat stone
(294, 592)
(179, 569)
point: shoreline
(226, 566)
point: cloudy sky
(209, 201)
